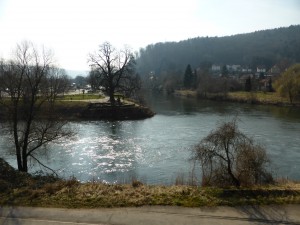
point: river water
(157, 150)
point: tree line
(254, 49)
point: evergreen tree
(188, 77)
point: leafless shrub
(228, 157)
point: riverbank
(91, 109)
(261, 98)
(21, 189)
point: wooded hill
(260, 48)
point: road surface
(287, 214)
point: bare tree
(114, 70)
(57, 83)
(229, 157)
(29, 84)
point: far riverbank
(259, 98)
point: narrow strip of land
(244, 215)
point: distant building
(274, 71)
(216, 68)
(261, 69)
(246, 69)
(234, 68)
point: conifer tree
(188, 77)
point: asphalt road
(274, 214)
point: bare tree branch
(114, 70)
(31, 81)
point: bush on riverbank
(229, 157)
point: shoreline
(253, 98)
(77, 110)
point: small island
(127, 111)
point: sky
(75, 28)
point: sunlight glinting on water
(157, 150)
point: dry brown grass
(258, 97)
(72, 194)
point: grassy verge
(71, 194)
(21, 189)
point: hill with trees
(260, 48)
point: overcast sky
(73, 28)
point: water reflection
(102, 151)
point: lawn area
(81, 97)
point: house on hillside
(215, 68)
(274, 71)
(246, 69)
(261, 69)
(233, 68)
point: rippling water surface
(157, 150)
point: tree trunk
(19, 159)
(112, 98)
(111, 93)
(24, 161)
(234, 179)
(16, 138)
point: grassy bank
(26, 190)
(259, 97)
(271, 98)
(81, 97)
(71, 194)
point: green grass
(81, 97)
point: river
(157, 150)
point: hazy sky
(73, 28)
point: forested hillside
(260, 48)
